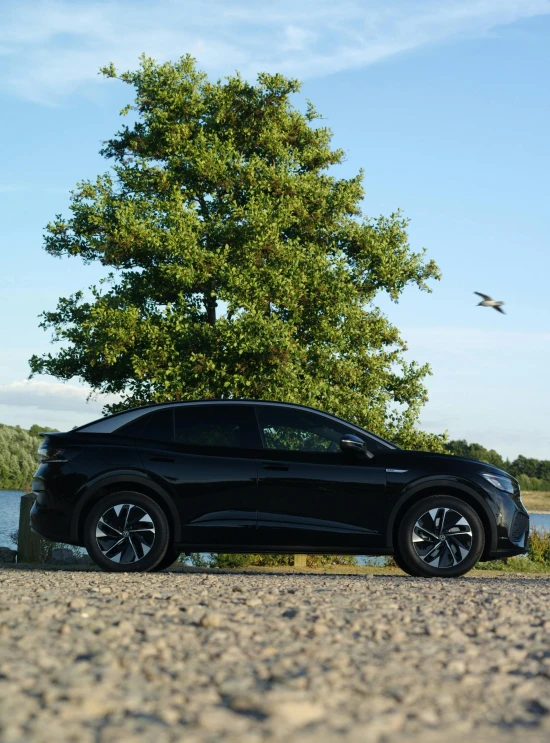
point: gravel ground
(245, 658)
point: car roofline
(235, 401)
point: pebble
(122, 658)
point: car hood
(423, 456)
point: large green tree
(242, 266)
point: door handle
(162, 459)
(277, 467)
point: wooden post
(300, 561)
(28, 547)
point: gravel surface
(244, 658)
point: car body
(263, 476)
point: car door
(311, 495)
(204, 455)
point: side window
(296, 430)
(227, 426)
(135, 427)
(160, 426)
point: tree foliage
(18, 456)
(241, 266)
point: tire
(400, 562)
(168, 560)
(440, 537)
(119, 549)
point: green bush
(536, 560)
(539, 546)
(238, 560)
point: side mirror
(354, 444)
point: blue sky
(444, 105)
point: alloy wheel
(442, 537)
(125, 533)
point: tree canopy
(242, 267)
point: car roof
(99, 425)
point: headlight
(499, 481)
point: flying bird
(488, 302)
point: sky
(444, 105)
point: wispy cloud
(53, 48)
(51, 396)
(11, 189)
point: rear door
(311, 494)
(205, 456)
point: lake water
(9, 516)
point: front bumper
(512, 535)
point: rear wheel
(400, 562)
(440, 537)
(127, 532)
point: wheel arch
(112, 483)
(444, 487)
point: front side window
(296, 430)
(228, 426)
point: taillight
(51, 454)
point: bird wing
(485, 296)
(498, 309)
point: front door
(208, 464)
(311, 494)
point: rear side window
(228, 426)
(160, 426)
(135, 427)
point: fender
(438, 481)
(92, 488)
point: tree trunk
(28, 547)
(211, 304)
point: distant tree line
(18, 455)
(532, 474)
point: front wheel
(171, 557)
(127, 532)
(440, 537)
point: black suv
(140, 487)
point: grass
(536, 501)
(521, 564)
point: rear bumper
(50, 523)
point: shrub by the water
(539, 546)
(536, 560)
(223, 560)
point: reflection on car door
(311, 494)
(208, 464)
